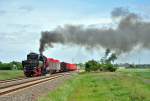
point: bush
(16, 65)
(93, 65)
(109, 67)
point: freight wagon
(53, 65)
(68, 66)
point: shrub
(109, 67)
(91, 65)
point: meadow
(122, 85)
(10, 74)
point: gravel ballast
(32, 93)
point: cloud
(20, 25)
(2, 12)
(26, 8)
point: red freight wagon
(53, 65)
(71, 67)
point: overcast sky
(21, 23)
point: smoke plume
(131, 31)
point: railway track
(15, 87)
(10, 80)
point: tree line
(14, 65)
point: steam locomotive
(38, 65)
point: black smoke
(131, 31)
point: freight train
(38, 65)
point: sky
(22, 21)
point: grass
(143, 73)
(10, 74)
(123, 85)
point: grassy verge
(120, 86)
(63, 92)
(10, 74)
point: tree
(11, 65)
(106, 58)
(112, 58)
(106, 61)
(5, 66)
(107, 53)
(16, 65)
(102, 61)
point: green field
(123, 85)
(10, 74)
